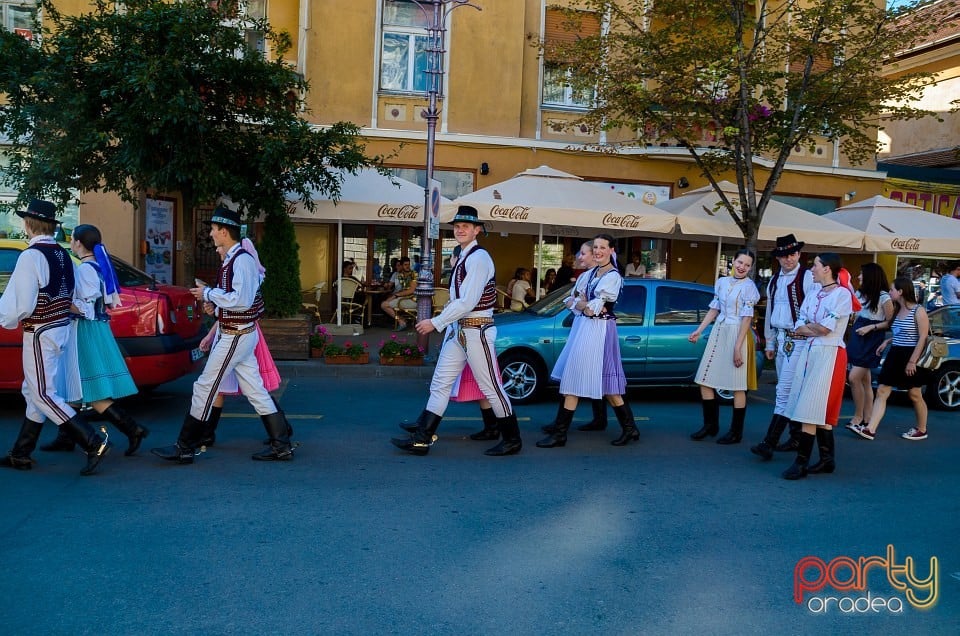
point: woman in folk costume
(104, 376)
(581, 371)
(728, 360)
(229, 385)
(817, 390)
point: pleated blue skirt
(103, 371)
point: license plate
(196, 354)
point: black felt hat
(225, 216)
(40, 210)
(787, 245)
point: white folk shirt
(29, 275)
(246, 281)
(480, 270)
(781, 316)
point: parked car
(158, 327)
(654, 318)
(943, 391)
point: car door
(11, 340)
(677, 312)
(632, 329)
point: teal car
(654, 318)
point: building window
(18, 16)
(403, 51)
(557, 90)
(242, 15)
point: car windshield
(552, 303)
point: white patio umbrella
(547, 201)
(897, 227)
(366, 197)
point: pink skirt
(466, 389)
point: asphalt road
(666, 536)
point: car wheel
(523, 376)
(943, 392)
(725, 396)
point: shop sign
(513, 213)
(399, 212)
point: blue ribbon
(106, 269)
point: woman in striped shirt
(910, 328)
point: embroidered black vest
(488, 299)
(233, 317)
(55, 298)
(794, 291)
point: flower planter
(316, 352)
(363, 358)
(399, 361)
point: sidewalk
(373, 337)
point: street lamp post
(434, 49)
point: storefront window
(925, 272)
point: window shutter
(556, 33)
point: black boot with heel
(421, 439)
(511, 444)
(825, 443)
(490, 430)
(798, 470)
(711, 420)
(559, 437)
(628, 425)
(735, 434)
(599, 421)
(19, 456)
(128, 426)
(189, 442)
(765, 448)
(95, 445)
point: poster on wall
(649, 194)
(159, 238)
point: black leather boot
(799, 468)
(278, 431)
(599, 421)
(628, 425)
(711, 420)
(825, 443)
(735, 434)
(420, 441)
(551, 428)
(765, 448)
(19, 455)
(210, 427)
(188, 442)
(62, 443)
(128, 426)
(792, 444)
(511, 442)
(559, 436)
(95, 445)
(490, 429)
(266, 442)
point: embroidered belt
(474, 323)
(232, 331)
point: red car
(158, 328)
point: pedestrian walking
(468, 340)
(39, 296)
(786, 291)
(910, 328)
(579, 368)
(866, 336)
(817, 389)
(239, 306)
(104, 376)
(728, 359)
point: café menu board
(159, 228)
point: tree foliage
(767, 76)
(165, 96)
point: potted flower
(400, 352)
(347, 353)
(318, 341)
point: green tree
(769, 77)
(168, 96)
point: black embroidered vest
(488, 299)
(55, 298)
(794, 291)
(233, 317)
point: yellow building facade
(504, 109)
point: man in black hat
(469, 338)
(39, 296)
(788, 287)
(238, 305)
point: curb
(317, 368)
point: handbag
(934, 351)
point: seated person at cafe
(549, 281)
(635, 269)
(519, 289)
(347, 272)
(403, 295)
